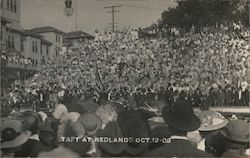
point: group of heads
(108, 122)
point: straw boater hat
(11, 135)
(112, 130)
(238, 131)
(11, 138)
(15, 124)
(91, 122)
(59, 110)
(72, 116)
(181, 116)
(76, 130)
(216, 119)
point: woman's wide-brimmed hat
(113, 131)
(71, 116)
(237, 130)
(12, 139)
(181, 116)
(211, 120)
(91, 122)
(15, 124)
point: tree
(206, 13)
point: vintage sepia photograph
(125, 78)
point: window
(58, 38)
(33, 46)
(8, 4)
(56, 50)
(9, 42)
(2, 3)
(13, 42)
(36, 50)
(47, 50)
(11, 5)
(15, 5)
(22, 45)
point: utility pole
(76, 24)
(113, 11)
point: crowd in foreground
(111, 129)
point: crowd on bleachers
(134, 84)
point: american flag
(98, 86)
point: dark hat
(12, 138)
(135, 128)
(238, 131)
(112, 130)
(128, 114)
(181, 116)
(33, 114)
(50, 125)
(88, 105)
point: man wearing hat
(31, 148)
(181, 119)
(66, 148)
(111, 130)
(238, 138)
(134, 126)
(12, 137)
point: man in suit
(180, 119)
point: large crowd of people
(17, 59)
(132, 93)
(206, 67)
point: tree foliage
(200, 13)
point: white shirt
(34, 137)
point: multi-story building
(16, 40)
(52, 35)
(36, 48)
(11, 30)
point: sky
(91, 14)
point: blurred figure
(68, 146)
(238, 138)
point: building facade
(53, 35)
(11, 30)
(16, 40)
